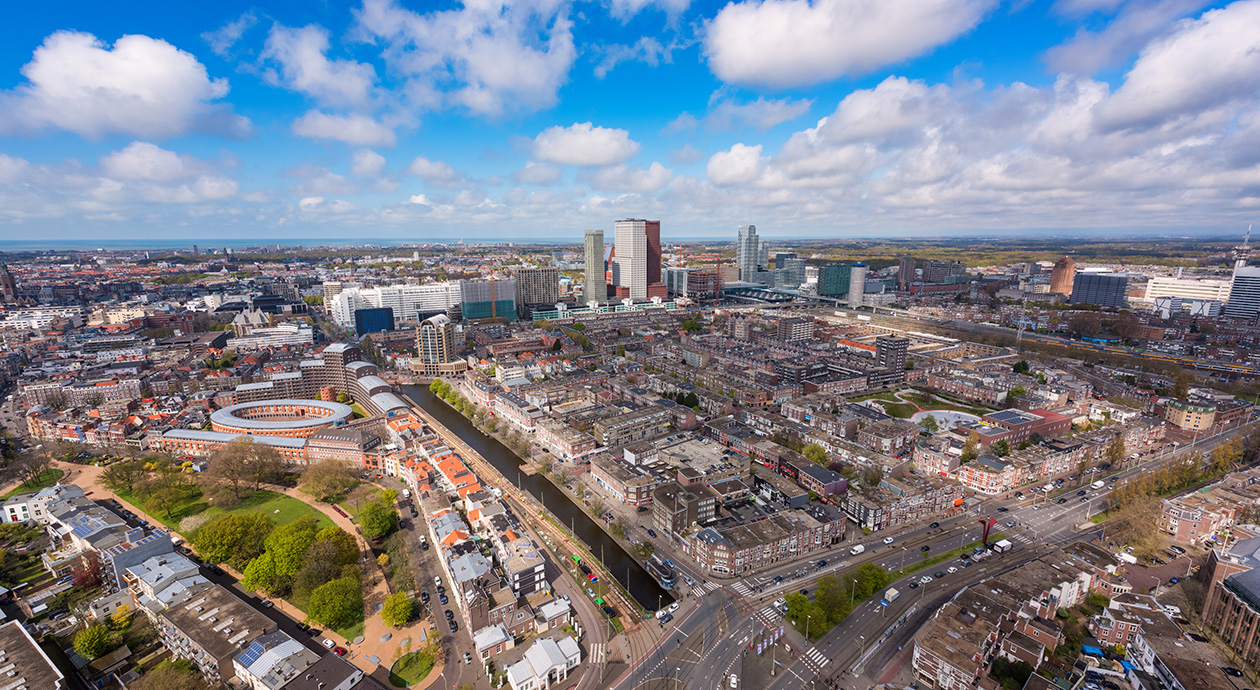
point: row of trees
(834, 599)
(480, 418)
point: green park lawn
(280, 508)
(45, 479)
(411, 668)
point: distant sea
(38, 244)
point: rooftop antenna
(1243, 253)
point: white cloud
(437, 174)
(310, 202)
(762, 113)
(623, 178)
(1137, 24)
(686, 155)
(583, 144)
(1204, 64)
(647, 50)
(222, 39)
(366, 163)
(355, 129)
(314, 180)
(895, 105)
(141, 160)
(625, 9)
(685, 122)
(781, 43)
(141, 86)
(737, 165)
(304, 67)
(537, 174)
(493, 57)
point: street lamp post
(851, 590)
(903, 560)
(807, 627)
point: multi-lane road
(709, 638)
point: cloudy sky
(537, 119)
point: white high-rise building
(857, 284)
(631, 246)
(1205, 289)
(409, 302)
(748, 252)
(595, 282)
(1244, 294)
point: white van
(856, 550)
(1097, 485)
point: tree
(321, 563)
(122, 476)
(29, 465)
(929, 424)
(342, 397)
(1115, 451)
(970, 449)
(229, 465)
(347, 547)
(163, 500)
(377, 520)
(691, 400)
(1016, 392)
(88, 575)
(1020, 367)
(93, 642)
(909, 365)
(691, 326)
(1001, 448)
(171, 675)
(337, 604)
(233, 538)
(328, 480)
(815, 453)
(288, 544)
(261, 575)
(396, 610)
(1181, 387)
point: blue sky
(830, 118)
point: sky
(543, 118)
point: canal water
(642, 586)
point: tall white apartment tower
(748, 252)
(631, 247)
(595, 282)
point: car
(651, 533)
(1004, 509)
(687, 580)
(821, 564)
(889, 540)
(641, 509)
(609, 611)
(669, 563)
(328, 643)
(452, 626)
(215, 569)
(1084, 499)
(939, 574)
(966, 564)
(778, 579)
(449, 616)
(913, 585)
(925, 579)
(441, 589)
(437, 581)
(1232, 671)
(734, 681)
(1010, 523)
(424, 545)
(1177, 550)
(1173, 580)
(313, 632)
(1158, 561)
(934, 525)
(267, 603)
(665, 618)
(925, 547)
(566, 598)
(303, 627)
(424, 597)
(467, 658)
(1061, 501)
(341, 651)
(672, 607)
(780, 603)
(1019, 494)
(804, 592)
(1080, 493)
(590, 592)
(442, 598)
(951, 570)
(586, 570)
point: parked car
(442, 598)
(914, 585)
(939, 574)
(672, 607)
(1173, 580)
(666, 618)
(341, 651)
(1232, 671)
(328, 643)
(467, 658)
(449, 616)
(651, 533)
(453, 626)
(888, 540)
(267, 603)
(934, 525)
(424, 597)
(1177, 550)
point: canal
(642, 586)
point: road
(710, 638)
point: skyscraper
(1244, 293)
(833, 280)
(905, 273)
(1062, 276)
(890, 352)
(637, 254)
(857, 284)
(1103, 289)
(748, 253)
(435, 348)
(537, 287)
(595, 285)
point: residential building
(748, 253)
(210, 629)
(488, 299)
(25, 663)
(537, 287)
(436, 348)
(1244, 293)
(271, 661)
(1063, 276)
(905, 273)
(595, 280)
(676, 508)
(857, 285)
(547, 662)
(1189, 417)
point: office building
(411, 303)
(1062, 276)
(796, 329)
(1103, 289)
(595, 282)
(833, 280)
(1216, 290)
(857, 284)
(488, 299)
(748, 253)
(890, 352)
(537, 287)
(940, 271)
(332, 288)
(789, 270)
(373, 320)
(436, 351)
(905, 273)
(637, 259)
(1244, 293)
(693, 283)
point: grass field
(358, 499)
(280, 508)
(45, 479)
(411, 668)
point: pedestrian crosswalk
(704, 588)
(597, 652)
(742, 589)
(816, 660)
(770, 615)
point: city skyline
(394, 121)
